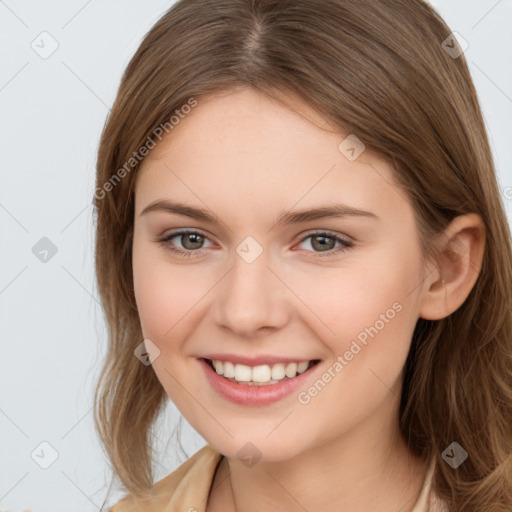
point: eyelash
(164, 241)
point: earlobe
(460, 255)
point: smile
(260, 375)
(257, 384)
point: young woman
(301, 243)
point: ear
(460, 254)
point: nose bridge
(250, 296)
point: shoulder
(428, 501)
(187, 487)
(436, 504)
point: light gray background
(51, 114)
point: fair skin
(246, 159)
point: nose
(251, 300)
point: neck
(367, 468)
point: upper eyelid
(325, 232)
(184, 231)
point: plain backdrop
(52, 110)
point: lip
(254, 395)
(256, 360)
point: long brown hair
(377, 69)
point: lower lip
(254, 395)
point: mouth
(260, 375)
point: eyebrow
(309, 214)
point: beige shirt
(187, 488)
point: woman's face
(258, 283)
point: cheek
(166, 296)
(372, 320)
(370, 313)
(371, 301)
(152, 295)
(165, 293)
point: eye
(324, 243)
(190, 241)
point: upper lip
(256, 360)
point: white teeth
(242, 373)
(229, 369)
(218, 367)
(302, 366)
(278, 371)
(259, 375)
(291, 370)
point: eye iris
(195, 244)
(323, 246)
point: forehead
(245, 142)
